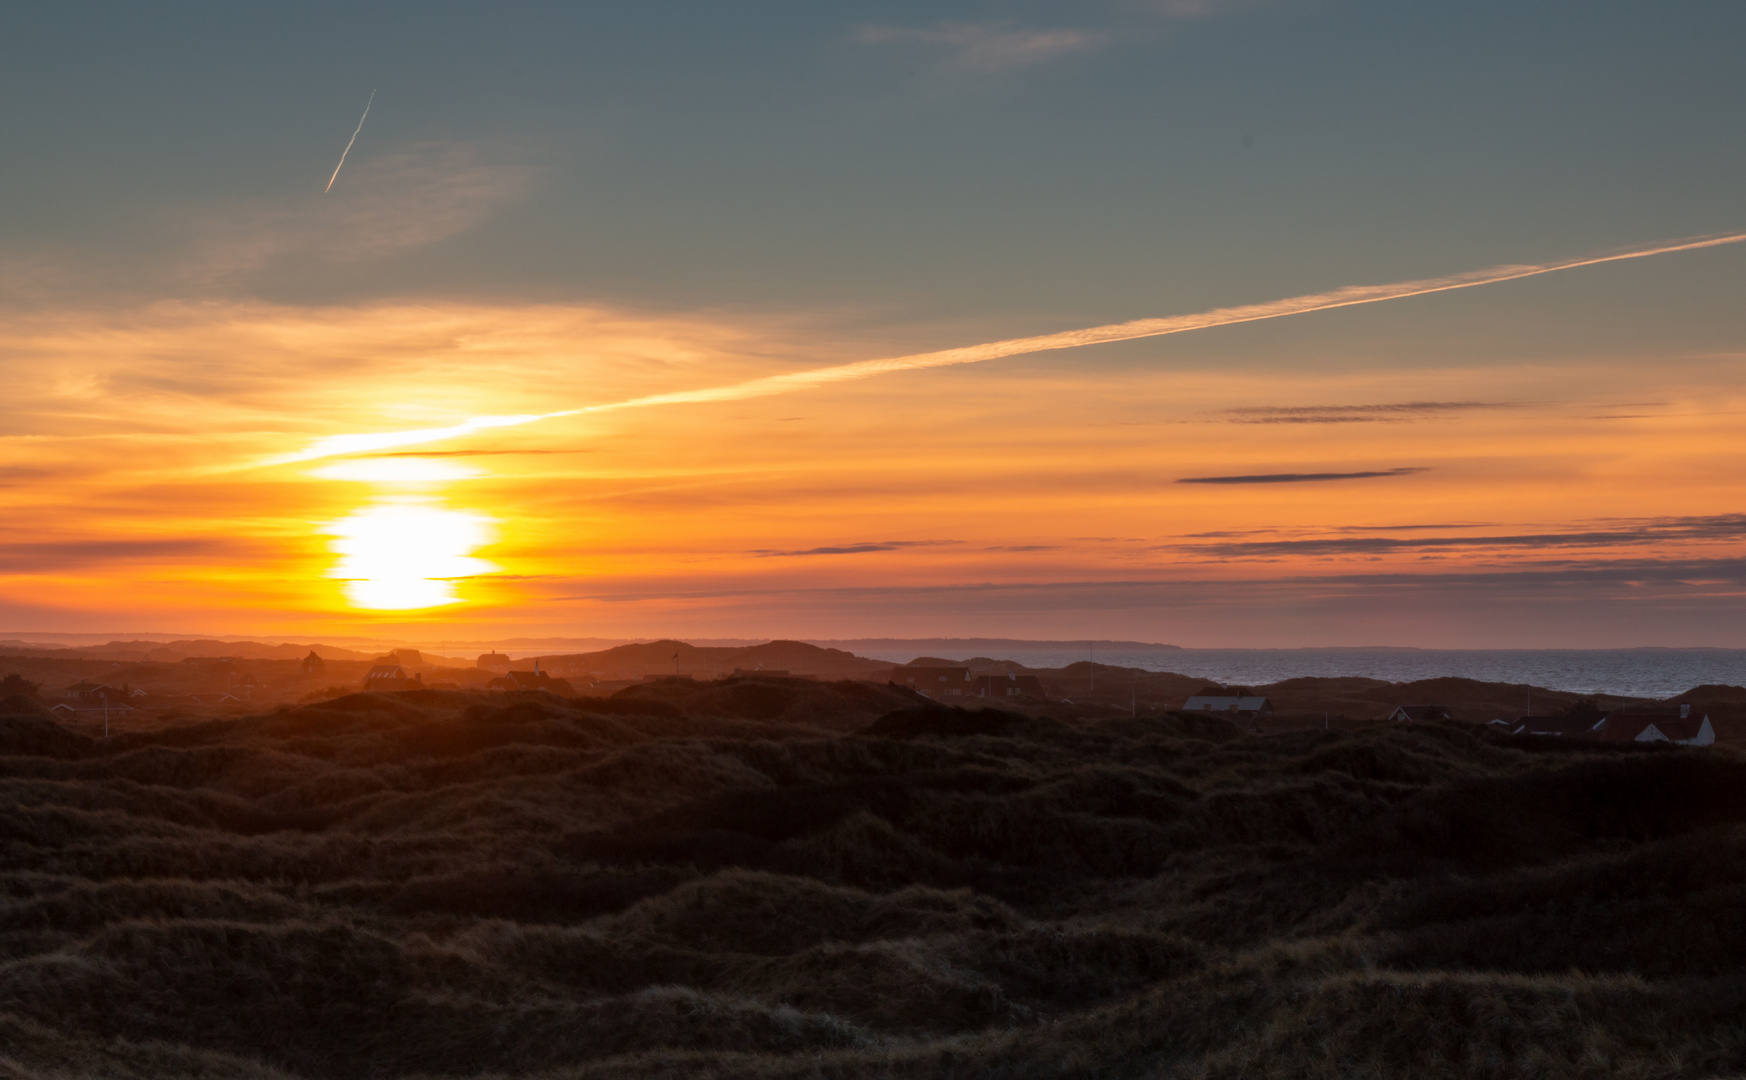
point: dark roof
(386, 671)
(1578, 725)
(921, 675)
(998, 685)
(1423, 712)
(532, 680)
(1227, 703)
(1626, 726)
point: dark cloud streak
(854, 549)
(53, 555)
(1716, 528)
(1297, 478)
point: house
(87, 708)
(492, 661)
(86, 690)
(1010, 685)
(1577, 724)
(530, 680)
(1420, 712)
(312, 665)
(1243, 706)
(1673, 724)
(390, 677)
(938, 683)
(1678, 727)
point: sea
(1648, 673)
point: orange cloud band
(794, 382)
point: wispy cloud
(1297, 478)
(400, 201)
(1716, 528)
(855, 549)
(57, 556)
(1398, 412)
(1197, 9)
(987, 46)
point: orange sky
(1039, 496)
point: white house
(1682, 730)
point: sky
(652, 224)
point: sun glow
(407, 552)
(398, 471)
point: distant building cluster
(958, 683)
(1245, 707)
(1676, 725)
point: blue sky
(1080, 161)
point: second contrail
(1142, 328)
(349, 142)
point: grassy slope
(792, 879)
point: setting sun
(407, 552)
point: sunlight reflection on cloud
(398, 471)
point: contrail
(971, 354)
(349, 142)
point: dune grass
(780, 878)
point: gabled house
(1010, 685)
(312, 665)
(530, 680)
(1678, 727)
(1583, 724)
(87, 708)
(939, 683)
(1674, 724)
(86, 690)
(1420, 712)
(390, 677)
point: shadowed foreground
(787, 879)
